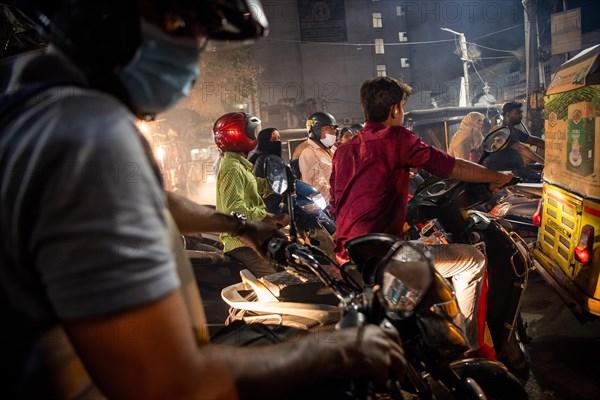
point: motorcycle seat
(298, 287)
(534, 189)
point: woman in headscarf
(268, 143)
(466, 142)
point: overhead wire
(493, 49)
(500, 31)
(358, 44)
(487, 69)
(494, 58)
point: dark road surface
(565, 355)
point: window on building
(402, 37)
(404, 62)
(399, 11)
(381, 70)
(377, 22)
(379, 46)
(513, 78)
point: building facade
(318, 54)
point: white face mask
(163, 71)
(329, 140)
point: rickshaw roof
(449, 113)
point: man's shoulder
(310, 149)
(386, 132)
(390, 135)
(312, 145)
(233, 165)
(299, 149)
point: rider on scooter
(370, 183)
(516, 155)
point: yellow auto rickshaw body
(568, 246)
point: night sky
(478, 20)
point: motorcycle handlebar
(300, 256)
(513, 181)
(283, 252)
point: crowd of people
(98, 294)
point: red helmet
(236, 132)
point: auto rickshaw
(437, 126)
(568, 245)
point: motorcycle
(442, 211)
(387, 282)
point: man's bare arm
(527, 154)
(192, 217)
(154, 356)
(468, 171)
(536, 141)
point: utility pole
(465, 59)
(532, 68)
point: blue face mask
(163, 71)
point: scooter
(519, 203)
(520, 206)
(388, 283)
(441, 211)
(311, 214)
(311, 210)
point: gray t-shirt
(82, 224)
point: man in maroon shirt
(369, 187)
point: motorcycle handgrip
(351, 318)
(363, 388)
(275, 248)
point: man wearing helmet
(314, 156)
(355, 128)
(238, 190)
(89, 252)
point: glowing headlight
(317, 204)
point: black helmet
(106, 33)
(355, 128)
(316, 121)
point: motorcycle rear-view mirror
(405, 278)
(276, 174)
(496, 140)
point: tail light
(537, 216)
(500, 210)
(583, 251)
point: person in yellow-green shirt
(238, 190)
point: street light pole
(465, 59)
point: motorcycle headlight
(405, 279)
(318, 203)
